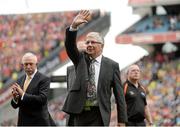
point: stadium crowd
(156, 24)
(161, 76)
(39, 33)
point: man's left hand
(19, 90)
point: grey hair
(96, 36)
(29, 54)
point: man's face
(94, 48)
(134, 72)
(29, 65)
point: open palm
(81, 18)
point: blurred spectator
(173, 22)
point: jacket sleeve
(70, 45)
(41, 98)
(71, 76)
(119, 96)
(15, 104)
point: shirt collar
(132, 84)
(98, 59)
(32, 74)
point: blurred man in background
(30, 95)
(135, 95)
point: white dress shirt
(32, 76)
(97, 64)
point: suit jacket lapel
(33, 81)
(21, 81)
(102, 72)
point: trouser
(70, 120)
(132, 123)
(90, 117)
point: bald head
(29, 56)
(29, 62)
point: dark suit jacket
(109, 77)
(71, 76)
(33, 109)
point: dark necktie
(91, 88)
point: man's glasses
(92, 42)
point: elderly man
(135, 95)
(30, 95)
(88, 99)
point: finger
(13, 90)
(81, 12)
(87, 16)
(16, 84)
(84, 21)
(13, 85)
(16, 88)
(86, 12)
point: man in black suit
(30, 95)
(88, 99)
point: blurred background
(146, 32)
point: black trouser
(91, 117)
(70, 120)
(132, 123)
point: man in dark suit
(89, 97)
(30, 95)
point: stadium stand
(156, 24)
